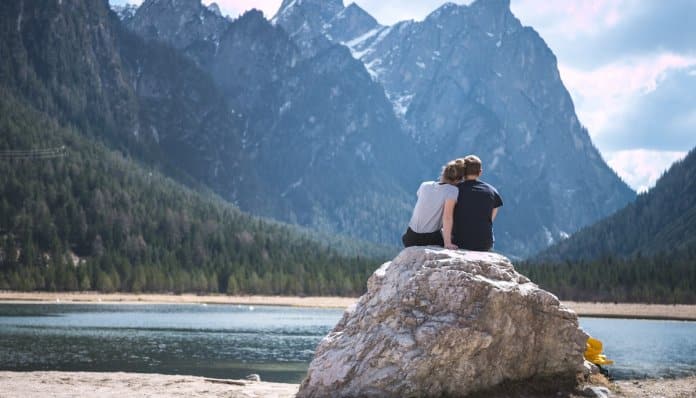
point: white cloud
(603, 94)
(124, 2)
(389, 12)
(570, 19)
(640, 168)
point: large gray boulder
(438, 322)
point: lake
(229, 341)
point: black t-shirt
(473, 227)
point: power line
(32, 154)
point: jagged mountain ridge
(319, 129)
(304, 18)
(473, 79)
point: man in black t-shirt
(476, 208)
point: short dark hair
(472, 165)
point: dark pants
(411, 238)
(476, 248)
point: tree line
(666, 278)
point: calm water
(216, 341)
(277, 342)
(642, 348)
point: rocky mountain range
(472, 79)
(343, 117)
(319, 130)
(354, 114)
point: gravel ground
(653, 388)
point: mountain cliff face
(319, 130)
(472, 79)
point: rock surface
(437, 322)
(589, 369)
(596, 392)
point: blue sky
(630, 66)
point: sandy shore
(119, 385)
(642, 311)
(621, 310)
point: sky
(629, 65)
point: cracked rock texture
(438, 322)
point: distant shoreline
(675, 312)
(679, 312)
(146, 298)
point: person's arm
(497, 203)
(447, 221)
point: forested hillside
(93, 220)
(644, 252)
(74, 62)
(102, 215)
(661, 220)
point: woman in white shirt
(431, 222)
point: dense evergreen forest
(645, 252)
(667, 278)
(91, 219)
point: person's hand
(451, 246)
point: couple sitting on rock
(456, 212)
